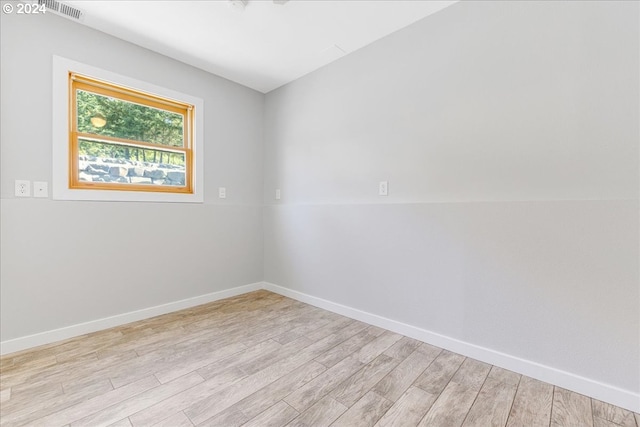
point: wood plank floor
(261, 359)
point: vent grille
(61, 8)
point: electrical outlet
(222, 192)
(383, 188)
(23, 188)
(278, 194)
(40, 189)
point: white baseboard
(597, 390)
(47, 337)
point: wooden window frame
(99, 87)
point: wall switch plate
(383, 188)
(222, 192)
(23, 188)
(40, 189)
(278, 194)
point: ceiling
(263, 45)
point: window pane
(103, 115)
(102, 162)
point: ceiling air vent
(61, 8)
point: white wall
(64, 263)
(509, 134)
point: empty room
(320, 213)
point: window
(124, 139)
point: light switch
(278, 194)
(40, 189)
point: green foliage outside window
(129, 121)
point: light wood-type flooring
(260, 359)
